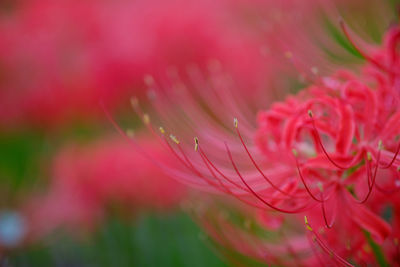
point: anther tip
(196, 144)
(320, 186)
(146, 118)
(307, 224)
(235, 122)
(380, 145)
(148, 80)
(162, 130)
(310, 113)
(173, 138)
(369, 156)
(134, 102)
(130, 133)
(288, 54)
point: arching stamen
(254, 192)
(328, 225)
(373, 178)
(396, 184)
(317, 135)
(393, 159)
(302, 178)
(188, 164)
(203, 154)
(220, 172)
(255, 164)
(227, 189)
(325, 247)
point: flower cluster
(328, 154)
(59, 58)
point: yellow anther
(173, 138)
(146, 118)
(310, 113)
(307, 224)
(196, 144)
(314, 70)
(348, 245)
(369, 156)
(398, 168)
(367, 248)
(148, 80)
(321, 188)
(294, 151)
(235, 122)
(162, 130)
(130, 133)
(288, 54)
(380, 145)
(134, 102)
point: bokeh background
(72, 191)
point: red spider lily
(88, 180)
(326, 151)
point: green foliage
(152, 240)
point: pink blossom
(59, 58)
(88, 180)
(326, 153)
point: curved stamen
(220, 172)
(202, 153)
(328, 225)
(324, 246)
(393, 159)
(255, 164)
(254, 192)
(371, 185)
(397, 185)
(303, 180)
(317, 135)
(228, 190)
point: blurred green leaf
(151, 240)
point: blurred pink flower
(59, 58)
(87, 180)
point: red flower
(325, 152)
(60, 58)
(87, 180)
